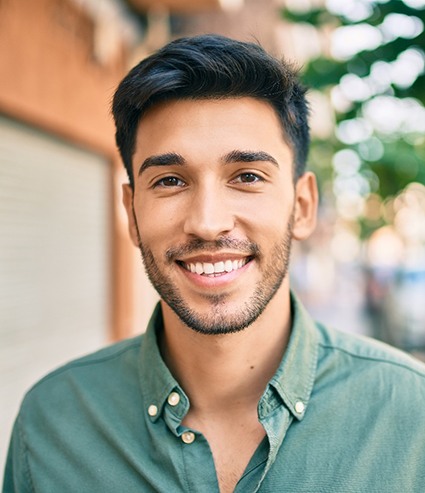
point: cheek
(266, 215)
(157, 222)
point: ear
(306, 202)
(127, 199)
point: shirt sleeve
(17, 478)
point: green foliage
(316, 16)
(402, 160)
(321, 73)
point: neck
(222, 372)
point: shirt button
(188, 437)
(299, 407)
(173, 399)
(152, 410)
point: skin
(197, 200)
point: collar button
(152, 410)
(188, 437)
(299, 407)
(173, 399)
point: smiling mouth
(215, 269)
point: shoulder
(86, 409)
(363, 384)
(101, 369)
(368, 359)
(102, 357)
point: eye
(169, 182)
(247, 178)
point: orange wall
(48, 72)
(50, 78)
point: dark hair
(211, 67)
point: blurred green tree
(374, 77)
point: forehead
(208, 111)
(210, 127)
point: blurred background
(70, 282)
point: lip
(215, 281)
(212, 258)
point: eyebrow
(168, 159)
(249, 157)
(236, 156)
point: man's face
(215, 208)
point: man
(233, 387)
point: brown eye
(249, 178)
(169, 181)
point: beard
(219, 319)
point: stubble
(219, 319)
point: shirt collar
(155, 378)
(293, 380)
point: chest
(232, 445)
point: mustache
(198, 245)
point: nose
(209, 214)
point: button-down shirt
(341, 414)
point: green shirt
(342, 414)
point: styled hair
(211, 67)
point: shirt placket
(276, 419)
(198, 463)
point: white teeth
(209, 268)
(217, 268)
